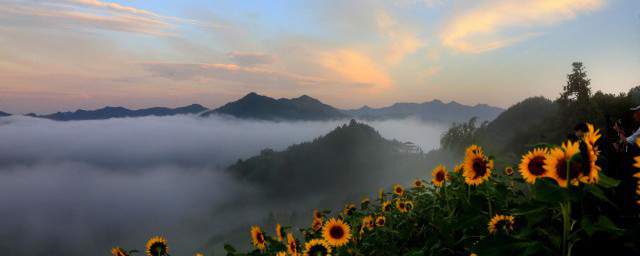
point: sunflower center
(536, 166)
(336, 232)
(440, 176)
(480, 167)
(318, 250)
(292, 247)
(260, 238)
(574, 170)
(158, 249)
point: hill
(255, 106)
(351, 157)
(4, 114)
(435, 110)
(121, 112)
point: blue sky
(69, 54)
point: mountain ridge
(255, 106)
(304, 107)
(121, 112)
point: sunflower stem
(566, 225)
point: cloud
(250, 58)
(497, 24)
(90, 14)
(400, 41)
(78, 188)
(208, 72)
(356, 67)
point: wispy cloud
(250, 58)
(207, 72)
(497, 24)
(89, 14)
(355, 67)
(400, 41)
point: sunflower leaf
(607, 182)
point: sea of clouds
(80, 187)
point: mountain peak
(256, 106)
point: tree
(578, 88)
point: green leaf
(607, 182)
(229, 249)
(605, 224)
(598, 193)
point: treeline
(538, 119)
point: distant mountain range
(120, 112)
(435, 110)
(4, 114)
(256, 106)
(260, 107)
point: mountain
(120, 112)
(351, 157)
(4, 114)
(255, 106)
(435, 110)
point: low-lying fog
(78, 188)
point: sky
(61, 55)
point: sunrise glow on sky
(60, 55)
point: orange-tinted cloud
(491, 26)
(356, 67)
(400, 41)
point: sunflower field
(556, 201)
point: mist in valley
(79, 188)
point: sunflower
(386, 206)
(317, 247)
(292, 246)
(380, 221)
(117, 251)
(508, 171)
(349, 209)
(365, 202)
(501, 222)
(590, 171)
(532, 165)
(367, 222)
(317, 224)
(401, 206)
(317, 214)
(477, 167)
(279, 232)
(398, 190)
(592, 135)
(439, 176)
(257, 237)
(417, 183)
(336, 232)
(281, 254)
(198, 254)
(473, 149)
(458, 168)
(157, 246)
(557, 161)
(408, 205)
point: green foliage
(453, 220)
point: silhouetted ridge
(4, 114)
(434, 110)
(349, 152)
(255, 106)
(121, 112)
